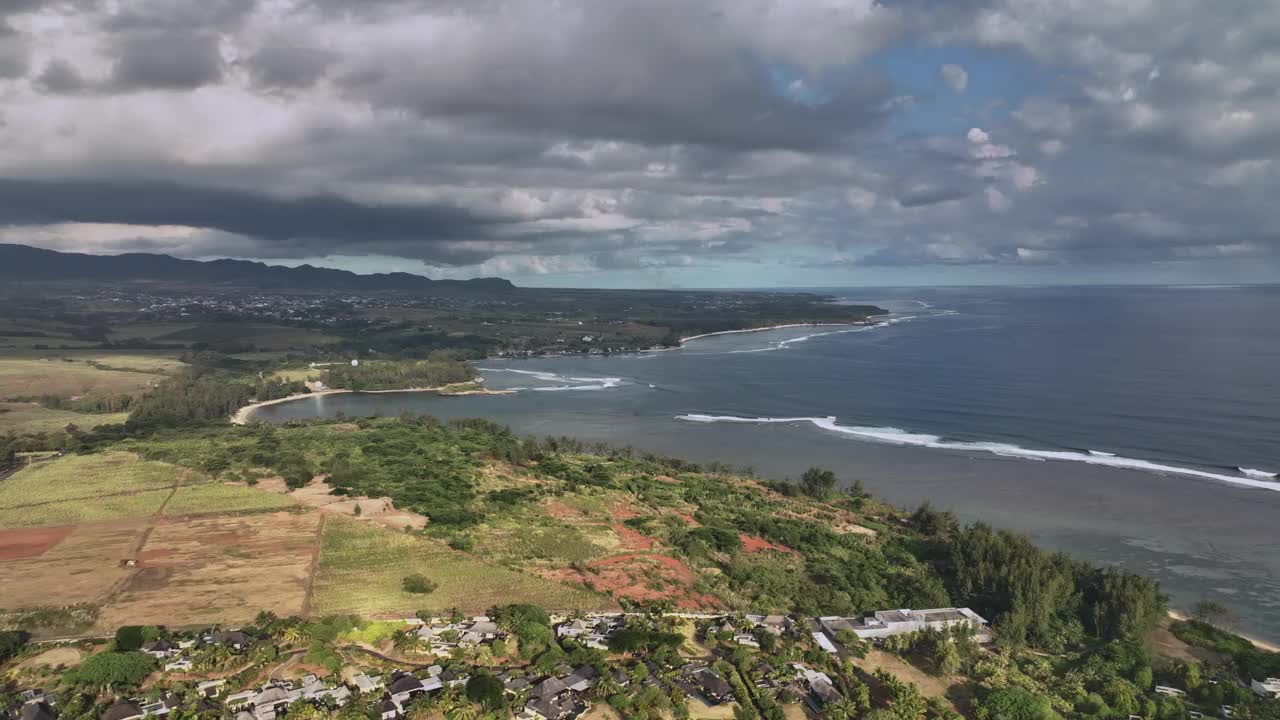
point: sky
(654, 143)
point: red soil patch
(561, 511)
(631, 539)
(623, 511)
(752, 544)
(640, 577)
(668, 480)
(31, 542)
(688, 519)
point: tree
(418, 584)
(1014, 703)
(11, 641)
(112, 669)
(1209, 612)
(487, 690)
(817, 482)
(128, 637)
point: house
(886, 623)
(271, 702)
(702, 682)
(365, 684)
(825, 643)
(122, 710)
(1170, 691)
(239, 700)
(388, 709)
(39, 710)
(592, 631)
(237, 640)
(477, 631)
(580, 680)
(209, 688)
(162, 706)
(161, 649)
(179, 665)
(772, 624)
(1270, 687)
(549, 708)
(550, 687)
(405, 687)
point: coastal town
(711, 665)
(519, 662)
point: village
(593, 664)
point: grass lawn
(73, 512)
(361, 567)
(212, 498)
(297, 374)
(35, 376)
(84, 476)
(29, 417)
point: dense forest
(438, 370)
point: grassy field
(361, 567)
(211, 498)
(72, 512)
(35, 376)
(85, 476)
(29, 417)
(264, 336)
(297, 374)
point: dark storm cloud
(323, 223)
(284, 67)
(14, 50)
(60, 77)
(167, 61)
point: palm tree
(407, 642)
(605, 686)
(295, 635)
(841, 710)
(466, 711)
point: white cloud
(996, 200)
(955, 76)
(977, 136)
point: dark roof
(121, 710)
(550, 686)
(387, 706)
(404, 684)
(231, 637)
(159, 646)
(824, 692)
(38, 711)
(713, 683)
(547, 707)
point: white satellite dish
(355, 363)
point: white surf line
(593, 383)
(897, 436)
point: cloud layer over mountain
(606, 140)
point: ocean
(1138, 427)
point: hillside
(29, 264)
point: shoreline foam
(897, 436)
(242, 415)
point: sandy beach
(241, 416)
(684, 340)
(1260, 644)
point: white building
(886, 623)
(1267, 688)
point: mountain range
(25, 263)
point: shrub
(128, 637)
(418, 584)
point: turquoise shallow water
(1110, 422)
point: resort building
(887, 623)
(1269, 687)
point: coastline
(241, 415)
(684, 340)
(1260, 644)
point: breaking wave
(784, 344)
(566, 382)
(897, 436)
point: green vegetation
(212, 498)
(362, 567)
(11, 641)
(418, 584)
(86, 477)
(439, 370)
(110, 670)
(28, 417)
(128, 637)
(74, 512)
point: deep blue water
(986, 401)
